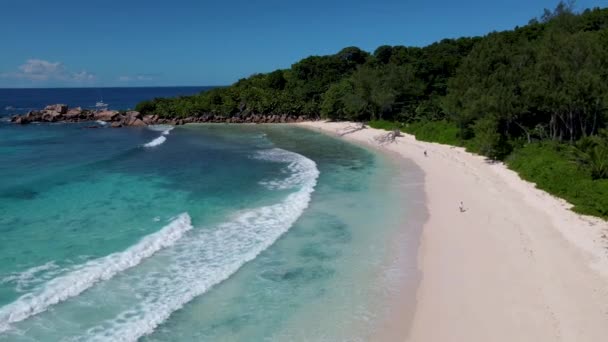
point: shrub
(550, 166)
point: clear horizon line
(115, 87)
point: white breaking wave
(32, 276)
(156, 141)
(103, 123)
(165, 129)
(295, 169)
(208, 257)
(83, 277)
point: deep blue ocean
(208, 232)
(20, 101)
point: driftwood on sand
(388, 137)
(352, 128)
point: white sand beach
(516, 265)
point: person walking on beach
(425, 153)
(462, 210)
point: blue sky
(188, 42)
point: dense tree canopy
(543, 82)
(535, 95)
(546, 80)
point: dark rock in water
(133, 114)
(22, 120)
(74, 112)
(137, 123)
(51, 116)
(33, 116)
(133, 118)
(176, 122)
(59, 108)
(150, 119)
(133, 121)
(106, 115)
(61, 113)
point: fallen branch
(389, 137)
(352, 129)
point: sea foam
(32, 276)
(84, 276)
(156, 142)
(209, 256)
(297, 171)
(164, 129)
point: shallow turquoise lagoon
(198, 233)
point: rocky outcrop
(150, 119)
(133, 118)
(74, 113)
(106, 115)
(135, 122)
(21, 120)
(58, 108)
(61, 113)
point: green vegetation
(535, 96)
(443, 132)
(553, 168)
(387, 125)
(440, 131)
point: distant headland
(116, 119)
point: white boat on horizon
(101, 105)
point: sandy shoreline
(516, 266)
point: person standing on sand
(462, 210)
(425, 153)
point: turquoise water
(206, 233)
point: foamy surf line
(156, 142)
(207, 258)
(23, 280)
(164, 129)
(298, 172)
(85, 276)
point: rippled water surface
(207, 233)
